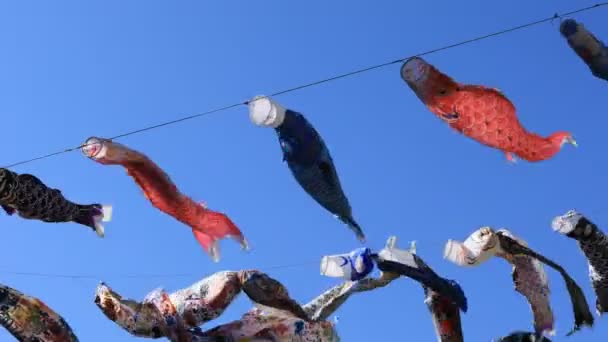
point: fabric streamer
(29, 319)
(30, 198)
(307, 156)
(594, 244)
(523, 336)
(276, 316)
(443, 297)
(208, 226)
(529, 276)
(353, 266)
(590, 49)
(479, 112)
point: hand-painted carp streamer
(481, 113)
(29, 319)
(30, 198)
(529, 275)
(307, 157)
(594, 244)
(522, 336)
(207, 225)
(276, 316)
(444, 297)
(590, 49)
(358, 264)
(353, 266)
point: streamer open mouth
(414, 71)
(566, 223)
(92, 147)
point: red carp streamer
(207, 225)
(478, 112)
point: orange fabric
(478, 112)
(207, 225)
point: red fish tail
(210, 243)
(539, 148)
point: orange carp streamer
(478, 112)
(207, 225)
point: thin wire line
(348, 74)
(138, 276)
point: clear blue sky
(70, 69)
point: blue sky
(72, 69)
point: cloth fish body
(594, 244)
(307, 156)
(529, 277)
(446, 316)
(528, 274)
(30, 198)
(275, 316)
(481, 113)
(29, 319)
(408, 264)
(208, 226)
(590, 49)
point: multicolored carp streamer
(30, 198)
(444, 297)
(481, 113)
(529, 276)
(29, 319)
(590, 49)
(275, 316)
(523, 336)
(307, 157)
(594, 244)
(207, 225)
(353, 266)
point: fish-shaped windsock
(594, 244)
(264, 324)
(175, 315)
(444, 298)
(479, 112)
(307, 157)
(208, 226)
(353, 266)
(29, 319)
(30, 198)
(409, 264)
(523, 336)
(590, 49)
(529, 275)
(275, 317)
(446, 316)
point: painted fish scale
(327, 193)
(29, 319)
(311, 164)
(594, 244)
(595, 248)
(481, 113)
(38, 201)
(446, 317)
(531, 281)
(8, 182)
(162, 193)
(207, 299)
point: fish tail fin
(209, 244)
(354, 226)
(458, 295)
(93, 215)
